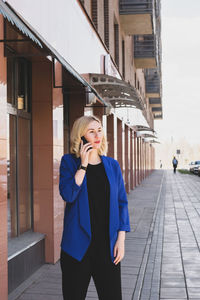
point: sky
(180, 71)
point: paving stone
(194, 293)
(171, 253)
(172, 268)
(173, 282)
(192, 274)
(171, 260)
(179, 293)
(193, 282)
(40, 297)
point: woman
(96, 215)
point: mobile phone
(85, 142)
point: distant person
(160, 164)
(175, 163)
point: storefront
(40, 97)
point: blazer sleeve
(68, 188)
(124, 224)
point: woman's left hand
(119, 250)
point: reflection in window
(18, 87)
(10, 81)
(22, 84)
(11, 173)
(18, 148)
(24, 180)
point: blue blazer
(77, 229)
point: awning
(11, 15)
(154, 142)
(116, 91)
(143, 128)
(146, 135)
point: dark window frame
(106, 23)
(123, 59)
(94, 13)
(116, 43)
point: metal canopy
(143, 128)
(15, 20)
(29, 31)
(154, 142)
(116, 91)
(146, 135)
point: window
(94, 13)
(106, 22)
(116, 43)
(19, 147)
(123, 58)
(18, 90)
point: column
(127, 158)
(110, 135)
(47, 126)
(3, 170)
(119, 142)
(131, 159)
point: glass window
(106, 23)
(24, 180)
(18, 83)
(22, 82)
(10, 81)
(11, 173)
(116, 43)
(19, 148)
(94, 12)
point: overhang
(146, 135)
(115, 91)
(143, 128)
(154, 142)
(12, 17)
(26, 29)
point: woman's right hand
(84, 153)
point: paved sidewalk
(162, 258)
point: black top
(98, 196)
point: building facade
(60, 60)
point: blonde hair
(79, 129)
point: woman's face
(94, 134)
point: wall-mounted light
(90, 96)
(20, 102)
(108, 110)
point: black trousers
(96, 264)
(175, 166)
